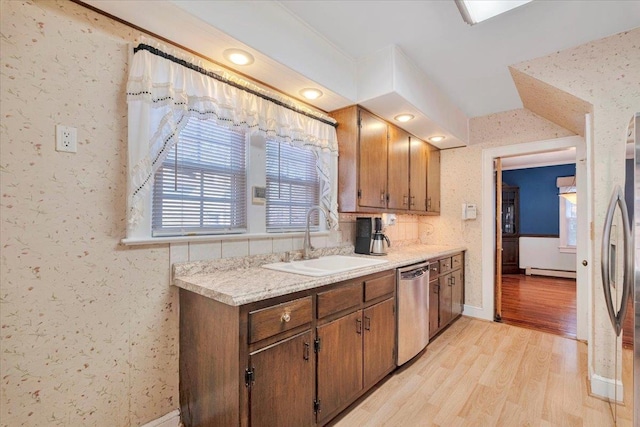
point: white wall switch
(66, 139)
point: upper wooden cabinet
(418, 167)
(398, 180)
(382, 168)
(433, 181)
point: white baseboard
(605, 387)
(477, 312)
(172, 419)
(552, 273)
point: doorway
(536, 235)
(487, 311)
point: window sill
(216, 238)
(567, 249)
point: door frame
(489, 223)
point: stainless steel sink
(325, 266)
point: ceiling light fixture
(474, 11)
(238, 56)
(311, 93)
(404, 117)
(437, 138)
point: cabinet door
(457, 293)
(283, 388)
(419, 157)
(379, 341)
(433, 181)
(398, 183)
(339, 363)
(434, 307)
(373, 161)
(510, 255)
(445, 299)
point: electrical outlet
(66, 139)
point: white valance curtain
(165, 89)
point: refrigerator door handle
(617, 318)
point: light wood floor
(481, 373)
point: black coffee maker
(377, 243)
(363, 236)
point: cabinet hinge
(316, 406)
(316, 345)
(359, 194)
(249, 377)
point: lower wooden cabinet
(379, 335)
(446, 292)
(279, 402)
(296, 360)
(339, 363)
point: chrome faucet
(307, 248)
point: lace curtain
(165, 89)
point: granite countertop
(238, 281)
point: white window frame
(256, 216)
(287, 228)
(564, 246)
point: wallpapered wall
(461, 177)
(89, 327)
(606, 74)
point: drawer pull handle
(286, 316)
(367, 323)
(305, 354)
(358, 326)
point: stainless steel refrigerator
(620, 269)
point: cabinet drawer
(456, 261)
(280, 318)
(445, 265)
(379, 286)
(434, 269)
(342, 298)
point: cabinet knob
(286, 316)
(584, 262)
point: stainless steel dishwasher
(413, 310)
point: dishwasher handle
(414, 274)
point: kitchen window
(292, 187)
(201, 186)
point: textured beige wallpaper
(606, 74)
(461, 182)
(89, 327)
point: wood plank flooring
(480, 373)
(546, 304)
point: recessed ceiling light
(474, 11)
(311, 93)
(404, 117)
(238, 56)
(437, 138)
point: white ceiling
(469, 63)
(452, 71)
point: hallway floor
(542, 303)
(480, 373)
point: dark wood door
(379, 324)
(457, 293)
(339, 363)
(398, 182)
(433, 180)
(445, 298)
(418, 164)
(373, 161)
(510, 255)
(434, 307)
(283, 389)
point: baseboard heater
(546, 272)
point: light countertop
(239, 281)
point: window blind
(203, 190)
(292, 187)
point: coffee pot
(377, 241)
